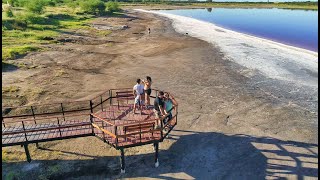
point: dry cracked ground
(228, 128)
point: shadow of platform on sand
(198, 155)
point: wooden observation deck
(108, 116)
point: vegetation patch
(34, 93)
(17, 51)
(103, 32)
(29, 24)
(112, 6)
(10, 89)
(13, 156)
(60, 73)
(93, 6)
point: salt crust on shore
(273, 60)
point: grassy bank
(24, 31)
(282, 5)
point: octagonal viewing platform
(108, 116)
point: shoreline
(233, 31)
(227, 39)
(289, 73)
(246, 5)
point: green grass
(17, 51)
(26, 32)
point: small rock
(48, 38)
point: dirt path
(227, 127)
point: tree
(93, 6)
(112, 6)
(35, 6)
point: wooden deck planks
(45, 134)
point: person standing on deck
(169, 104)
(158, 107)
(138, 92)
(147, 88)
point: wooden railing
(58, 112)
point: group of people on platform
(163, 103)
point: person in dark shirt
(158, 107)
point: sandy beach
(292, 71)
(237, 119)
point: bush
(9, 13)
(112, 6)
(93, 6)
(72, 3)
(35, 6)
(50, 2)
(17, 51)
(20, 3)
(34, 19)
(11, 2)
(11, 24)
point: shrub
(35, 6)
(34, 19)
(50, 2)
(6, 7)
(10, 24)
(112, 6)
(72, 3)
(11, 2)
(93, 6)
(17, 51)
(20, 3)
(9, 13)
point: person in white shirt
(138, 93)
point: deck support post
(156, 157)
(91, 120)
(62, 112)
(34, 117)
(101, 103)
(27, 152)
(37, 145)
(91, 106)
(110, 95)
(122, 161)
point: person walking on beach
(149, 30)
(147, 88)
(138, 91)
